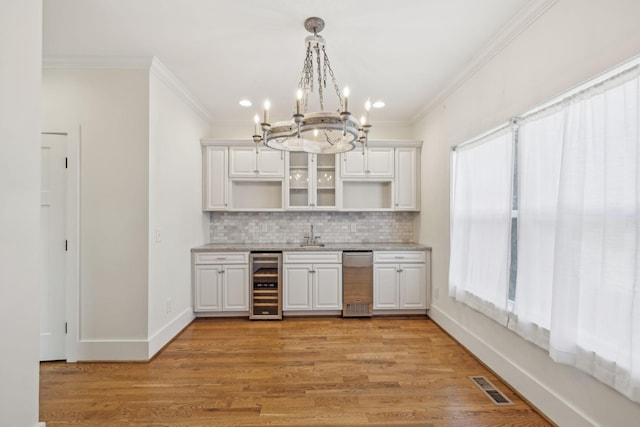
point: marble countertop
(260, 247)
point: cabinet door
(327, 287)
(236, 288)
(385, 286)
(380, 161)
(242, 161)
(407, 178)
(270, 162)
(214, 184)
(296, 286)
(353, 163)
(299, 181)
(207, 288)
(324, 179)
(412, 286)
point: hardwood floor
(294, 372)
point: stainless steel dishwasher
(357, 284)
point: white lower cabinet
(312, 286)
(221, 282)
(399, 280)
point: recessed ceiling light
(245, 103)
(378, 104)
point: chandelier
(320, 131)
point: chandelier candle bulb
(267, 105)
(346, 98)
(256, 129)
(298, 100)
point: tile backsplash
(332, 227)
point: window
(573, 236)
(481, 218)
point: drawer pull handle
(399, 257)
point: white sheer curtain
(595, 318)
(480, 224)
(539, 155)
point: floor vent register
(490, 390)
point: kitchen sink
(312, 245)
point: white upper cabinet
(214, 178)
(376, 162)
(312, 181)
(237, 178)
(407, 180)
(246, 162)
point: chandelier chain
(306, 77)
(333, 78)
(320, 88)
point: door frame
(72, 223)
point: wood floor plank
(294, 372)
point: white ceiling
(405, 52)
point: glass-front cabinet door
(325, 180)
(312, 181)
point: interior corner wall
(571, 42)
(176, 219)
(21, 52)
(111, 108)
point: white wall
(573, 41)
(175, 205)
(111, 107)
(21, 52)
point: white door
(208, 287)
(53, 247)
(215, 181)
(327, 287)
(412, 286)
(270, 162)
(385, 286)
(236, 288)
(296, 287)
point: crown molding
(150, 63)
(97, 62)
(159, 70)
(520, 22)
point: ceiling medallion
(320, 131)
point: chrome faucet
(311, 238)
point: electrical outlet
(168, 305)
(354, 228)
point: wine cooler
(266, 286)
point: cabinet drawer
(313, 257)
(221, 258)
(399, 256)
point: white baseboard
(112, 350)
(41, 424)
(169, 331)
(546, 399)
(133, 350)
